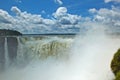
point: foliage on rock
(115, 64)
(117, 76)
(5, 32)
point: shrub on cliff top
(117, 76)
(115, 64)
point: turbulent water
(82, 57)
(43, 47)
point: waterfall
(20, 58)
(19, 51)
(34, 48)
(45, 48)
(89, 58)
(6, 54)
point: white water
(53, 47)
(6, 54)
(90, 57)
(20, 53)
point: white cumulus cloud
(107, 1)
(58, 2)
(93, 10)
(65, 18)
(60, 12)
(61, 21)
(109, 17)
(5, 17)
(16, 10)
(27, 23)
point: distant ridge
(53, 34)
(7, 32)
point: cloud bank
(107, 1)
(32, 23)
(108, 17)
(61, 21)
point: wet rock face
(2, 56)
(12, 44)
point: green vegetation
(115, 65)
(117, 76)
(5, 32)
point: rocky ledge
(5, 32)
(9, 46)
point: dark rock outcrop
(2, 56)
(12, 44)
(4, 32)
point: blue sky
(49, 6)
(57, 16)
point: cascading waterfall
(45, 48)
(20, 53)
(33, 48)
(6, 54)
(89, 58)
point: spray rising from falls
(85, 57)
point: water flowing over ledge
(58, 57)
(20, 50)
